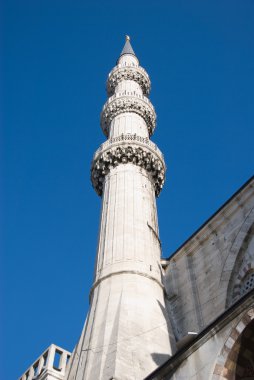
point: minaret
(127, 333)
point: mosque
(190, 316)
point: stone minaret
(127, 333)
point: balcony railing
(53, 361)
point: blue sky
(56, 58)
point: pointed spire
(127, 49)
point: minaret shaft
(128, 123)
(127, 333)
(129, 230)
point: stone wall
(216, 355)
(209, 272)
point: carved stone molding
(137, 154)
(128, 73)
(127, 139)
(122, 104)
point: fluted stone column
(127, 333)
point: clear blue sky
(56, 57)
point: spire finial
(127, 49)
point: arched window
(241, 364)
(247, 283)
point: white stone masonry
(51, 365)
(127, 333)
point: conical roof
(127, 49)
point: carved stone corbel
(122, 104)
(115, 155)
(128, 73)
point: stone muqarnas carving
(127, 154)
(129, 73)
(123, 104)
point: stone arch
(242, 264)
(228, 365)
(237, 243)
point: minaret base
(127, 332)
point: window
(247, 283)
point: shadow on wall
(161, 358)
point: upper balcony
(51, 365)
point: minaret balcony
(128, 102)
(125, 149)
(137, 74)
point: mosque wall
(214, 268)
